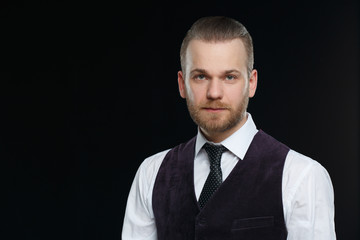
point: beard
(215, 122)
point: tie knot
(214, 152)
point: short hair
(218, 29)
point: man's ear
(181, 83)
(253, 83)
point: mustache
(215, 105)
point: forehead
(216, 55)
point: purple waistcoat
(248, 204)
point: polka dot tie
(214, 178)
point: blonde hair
(218, 29)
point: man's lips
(214, 110)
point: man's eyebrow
(198, 70)
(232, 71)
(203, 71)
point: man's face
(216, 85)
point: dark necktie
(214, 178)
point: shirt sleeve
(311, 213)
(139, 221)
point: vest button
(202, 222)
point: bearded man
(231, 181)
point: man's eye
(230, 77)
(200, 77)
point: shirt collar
(238, 143)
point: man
(231, 181)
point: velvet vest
(247, 205)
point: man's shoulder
(148, 169)
(157, 158)
(300, 161)
(294, 158)
(154, 160)
(299, 168)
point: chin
(220, 125)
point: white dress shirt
(307, 192)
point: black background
(88, 90)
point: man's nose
(215, 89)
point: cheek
(188, 92)
(193, 93)
(236, 95)
(244, 89)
